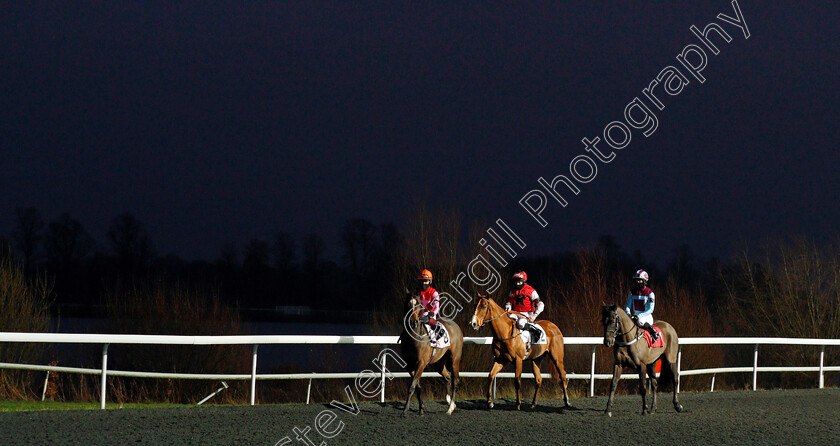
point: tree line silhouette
(260, 274)
(788, 288)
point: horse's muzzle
(474, 323)
(608, 342)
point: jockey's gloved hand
(635, 318)
(425, 319)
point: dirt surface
(765, 417)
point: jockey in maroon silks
(640, 303)
(524, 299)
(430, 300)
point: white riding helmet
(641, 274)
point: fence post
(382, 396)
(46, 382)
(592, 374)
(679, 366)
(104, 376)
(822, 374)
(713, 382)
(309, 389)
(755, 367)
(254, 374)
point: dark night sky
(216, 124)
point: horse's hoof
(608, 413)
(678, 407)
(451, 408)
(490, 404)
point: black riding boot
(654, 336)
(535, 332)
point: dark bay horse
(509, 347)
(418, 353)
(631, 350)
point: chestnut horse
(631, 350)
(418, 353)
(508, 346)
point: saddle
(659, 340)
(439, 335)
(533, 334)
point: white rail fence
(256, 340)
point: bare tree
(313, 251)
(359, 237)
(130, 243)
(284, 251)
(27, 235)
(257, 255)
(66, 242)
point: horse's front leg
(415, 385)
(518, 382)
(654, 383)
(643, 388)
(616, 375)
(497, 367)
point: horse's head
(481, 313)
(412, 308)
(611, 322)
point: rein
(615, 332)
(484, 321)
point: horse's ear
(407, 293)
(483, 296)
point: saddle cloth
(442, 340)
(526, 336)
(659, 341)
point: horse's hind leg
(440, 366)
(676, 374)
(537, 380)
(557, 359)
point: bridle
(415, 318)
(615, 332)
(484, 319)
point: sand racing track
(776, 417)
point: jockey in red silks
(640, 303)
(430, 300)
(524, 299)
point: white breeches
(646, 319)
(520, 321)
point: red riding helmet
(425, 275)
(520, 275)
